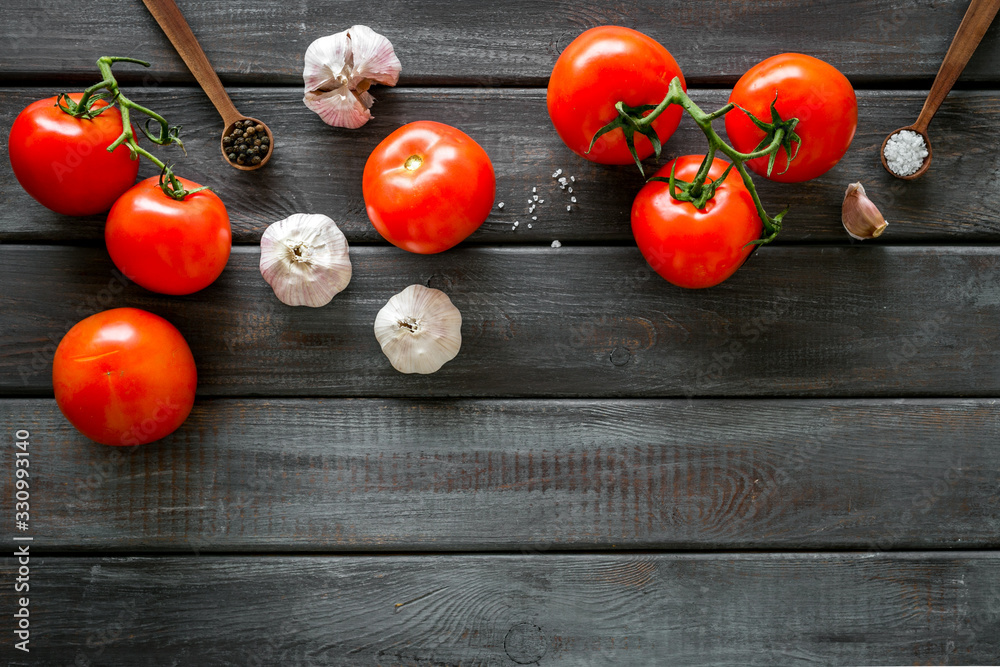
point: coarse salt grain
(556, 244)
(573, 199)
(529, 225)
(500, 205)
(905, 152)
(556, 173)
(534, 190)
(569, 208)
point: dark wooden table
(597, 478)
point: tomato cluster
(123, 376)
(688, 245)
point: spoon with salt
(908, 142)
(169, 16)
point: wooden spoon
(169, 16)
(977, 19)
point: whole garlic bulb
(305, 259)
(340, 68)
(419, 329)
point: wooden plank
(318, 169)
(520, 476)
(511, 42)
(718, 609)
(572, 321)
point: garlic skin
(305, 259)
(419, 329)
(340, 68)
(860, 216)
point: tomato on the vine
(427, 186)
(601, 67)
(166, 245)
(690, 247)
(124, 377)
(807, 88)
(63, 161)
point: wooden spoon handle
(977, 19)
(169, 16)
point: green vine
(107, 90)
(779, 133)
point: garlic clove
(419, 329)
(340, 68)
(860, 216)
(326, 62)
(374, 57)
(340, 108)
(305, 259)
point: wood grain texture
(533, 476)
(516, 41)
(318, 169)
(541, 321)
(499, 611)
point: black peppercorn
(255, 160)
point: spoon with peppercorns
(247, 143)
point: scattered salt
(573, 178)
(569, 208)
(500, 205)
(529, 225)
(534, 197)
(905, 152)
(556, 244)
(534, 217)
(573, 199)
(541, 201)
(534, 190)
(556, 173)
(570, 190)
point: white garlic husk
(419, 329)
(305, 259)
(340, 68)
(860, 216)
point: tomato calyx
(780, 129)
(697, 195)
(640, 119)
(107, 90)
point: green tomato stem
(640, 119)
(166, 135)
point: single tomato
(691, 247)
(427, 186)
(601, 67)
(165, 245)
(807, 88)
(63, 162)
(124, 377)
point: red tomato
(690, 247)
(124, 377)
(165, 245)
(809, 89)
(427, 186)
(63, 161)
(601, 67)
